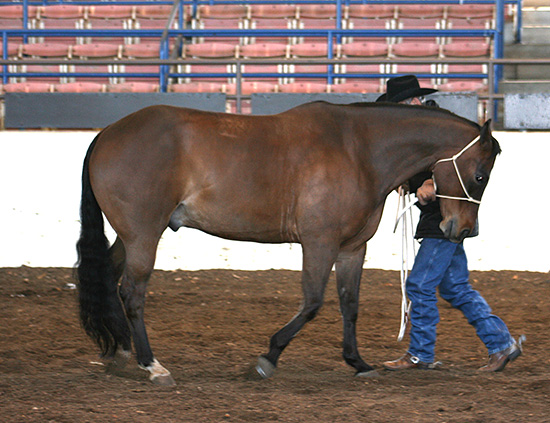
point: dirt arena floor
(209, 327)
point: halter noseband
(453, 159)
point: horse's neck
(406, 154)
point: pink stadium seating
(223, 11)
(58, 23)
(28, 87)
(421, 11)
(347, 71)
(273, 11)
(307, 49)
(97, 50)
(45, 50)
(258, 50)
(16, 11)
(325, 11)
(111, 23)
(210, 50)
(159, 24)
(62, 11)
(315, 23)
(364, 49)
(303, 87)
(364, 86)
(470, 11)
(363, 23)
(271, 68)
(479, 23)
(322, 69)
(212, 23)
(414, 23)
(466, 49)
(416, 49)
(11, 23)
(153, 11)
(250, 87)
(274, 23)
(111, 11)
(141, 51)
(197, 87)
(35, 69)
(194, 68)
(13, 49)
(80, 87)
(463, 86)
(92, 70)
(133, 87)
(370, 11)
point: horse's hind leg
(140, 259)
(349, 267)
(317, 265)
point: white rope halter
(453, 159)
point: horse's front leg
(349, 267)
(318, 260)
(139, 266)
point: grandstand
(242, 48)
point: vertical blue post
(499, 41)
(519, 21)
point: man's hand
(426, 193)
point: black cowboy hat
(403, 87)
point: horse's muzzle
(452, 232)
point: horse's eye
(480, 179)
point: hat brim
(403, 95)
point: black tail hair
(101, 312)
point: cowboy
(441, 265)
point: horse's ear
(485, 133)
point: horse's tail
(101, 311)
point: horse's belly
(230, 224)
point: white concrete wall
(40, 193)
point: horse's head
(460, 181)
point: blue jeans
(442, 264)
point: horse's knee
(311, 310)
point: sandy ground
(40, 194)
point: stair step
(527, 86)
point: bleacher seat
(379, 11)
(111, 11)
(250, 87)
(350, 72)
(264, 50)
(13, 49)
(79, 87)
(470, 11)
(32, 70)
(416, 49)
(95, 51)
(317, 11)
(28, 87)
(207, 69)
(419, 24)
(102, 22)
(303, 87)
(466, 49)
(366, 23)
(210, 50)
(62, 11)
(470, 24)
(422, 11)
(224, 24)
(197, 87)
(305, 69)
(364, 86)
(274, 23)
(15, 11)
(140, 51)
(309, 49)
(45, 50)
(153, 11)
(314, 23)
(464, 86)
(272, 11)
(223, 11)
(364, 49)
(133, 87)
(260, 69)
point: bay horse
(317, 175)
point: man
(441, 264)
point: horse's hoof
(163, 380)
(264, 368)
(368, 373)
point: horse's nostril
(464, 233)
